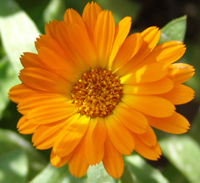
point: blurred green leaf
(14, 167)
(10, 141)
(174, 30)
(173, 174)
(195, 128)
(54, 11)
(98, 174)
(95, 174)
(7, 80)
(184, 153)
(141, 171)
(52, 175)
(18, 34)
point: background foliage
(21, 21)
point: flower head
(92, 93)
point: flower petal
(104, 36)
(128, 49)
(43, 80)
(50, 28)
(64, 38)
(78, 164)
(113, 161)
(121, 32)
(149, 152)
(46, 135)
(149, 137)
(93, 153)
(25, 127)
(31, 60)
(72, 17)
(167, 52)
(57, 161)
(176, 123)
(19, 92)
(131, 119)
(161, 86)
(150, 38)
(73, 133)
(150, 105)
(180, 72)
(180, 94)
(147, 73)
(99, 133)
(89, 16)
(81, 44)
(119, 135)
(58, 65)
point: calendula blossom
(92, 93)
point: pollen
(97, 92)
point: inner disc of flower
(97, 92)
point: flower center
(97, 92)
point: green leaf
(10, 141)
(174, 30)
(98, 174)
(14, 167)
(7, 80)
(140, 171)
(52, 175)
(184, 153)
(18, 34)
(55, 10)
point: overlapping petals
(151, 85)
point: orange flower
(92, 94)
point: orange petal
(99, 133)
(150, 38)
(31, 60)
(121, 32)
(167, 52)
(131, 119)
(50, 28)
(81, 44)
(78, 164)
(73, 133)
(46, 135)
(180, 94)
(113, 161)
(128, 49)
(42, 99)
(43, 80)
(64, 38)
(25, 127)
(58, 65)
(89, 16)
(151, 153)
(148, 73)
(72, 17)
(149, 137)
(176, 124)
(19, 92)
(180, 72)
(119, 135)
(150, 105)
(104, 36)
(161, 86)
(57, 161)
(93, 152)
